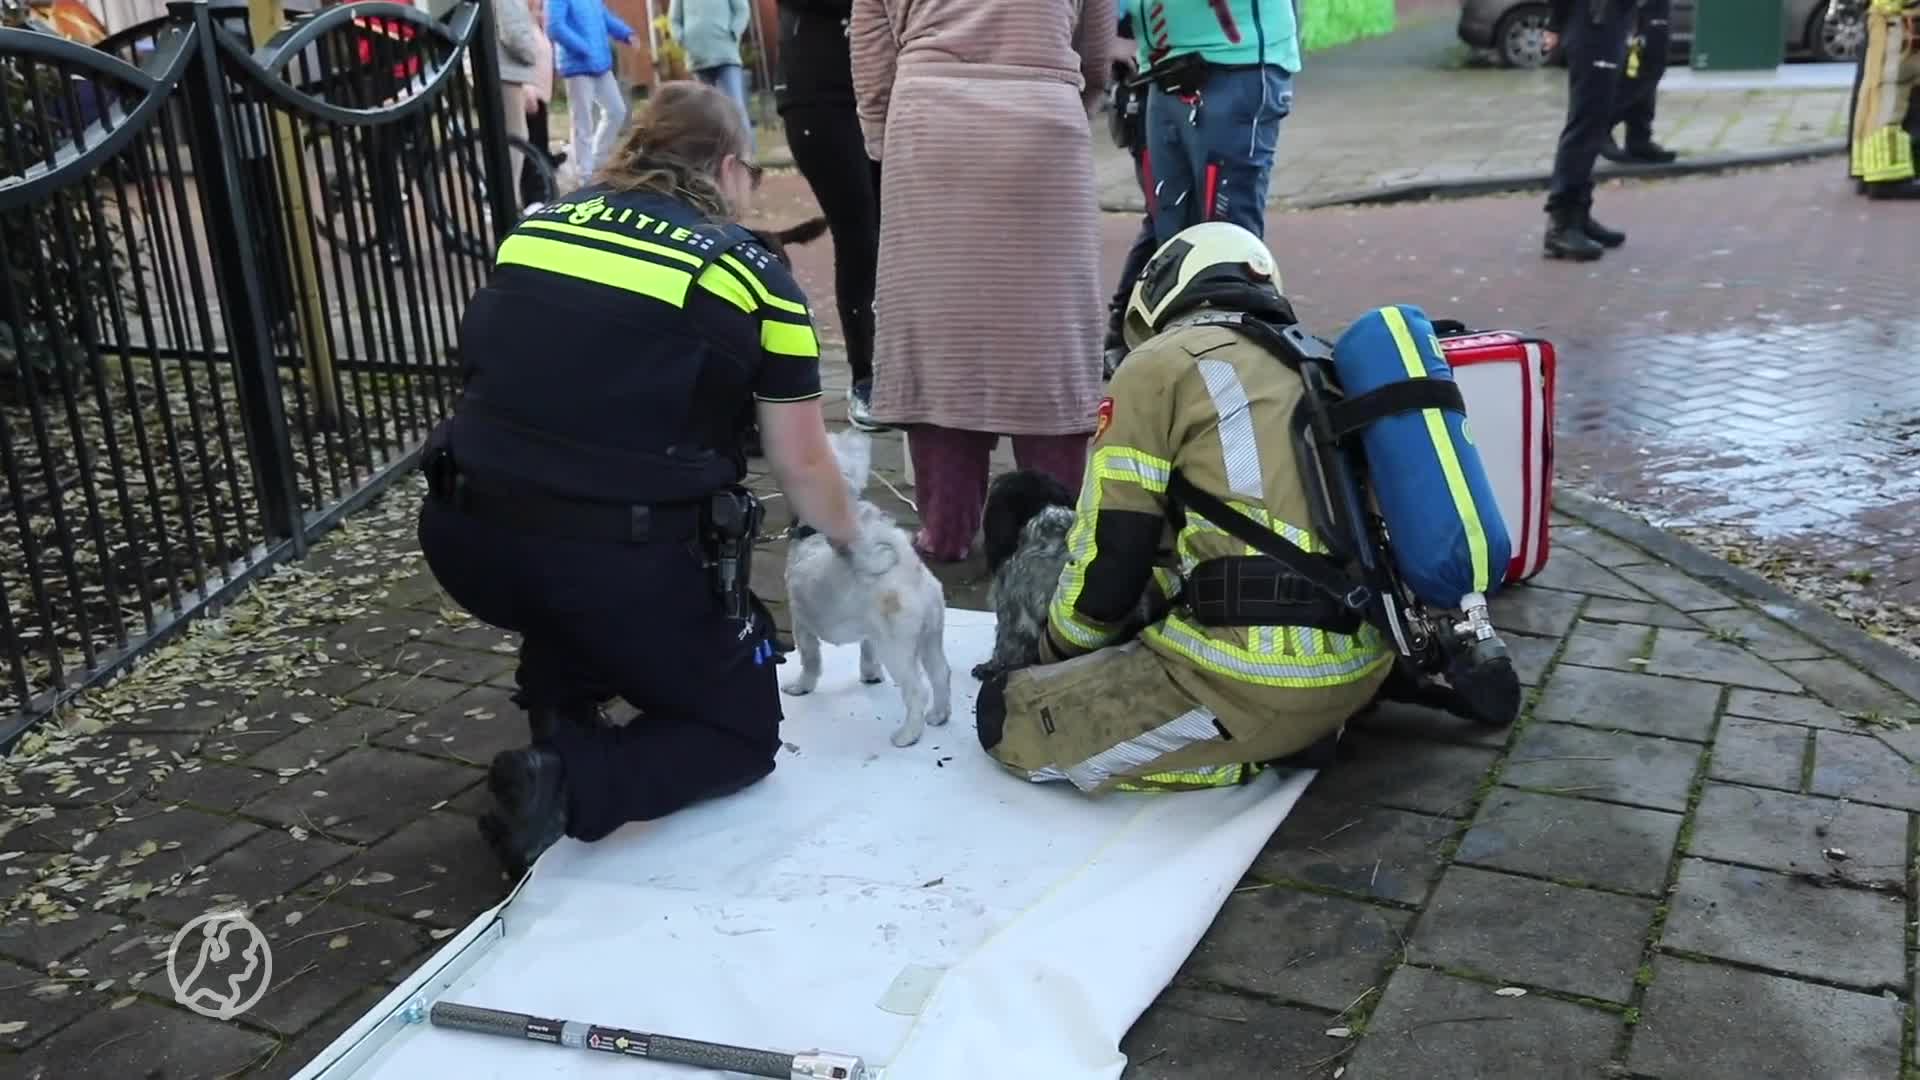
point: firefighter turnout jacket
(615, 352)
(1184, 704)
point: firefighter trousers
(1886, 117)
(1126, 718)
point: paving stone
(154, 1042)
(42, 1015)
(1406, 774)
(376, 949)
(1764, 638)
(1531, 657)
(1782, 923)
(1700, 1021)
(369, 793)
(132, 954)
(1787, 709)
(1368, 850)
(407, 693)
(1607, 645)
(183, 838)
(1399, 720)
(1864, 768)
(470, 729)
(1791, 833)
(1570, 571)
(472, 802)
(37, 944)
(1633, 769)
(1597, 546)
(297, 1053)
(1605, 609)
(1690, 654)
(451, 664)
(1527, 610)
(48, 828)
(85, 774)
(256, 873)
(438, 865)
(1577, 941)
(1189, 1033)
(1843, 686)
(1439, 1027)
(1629, 701)
(477, 636)
(1676, 589)
(323, 740)
(1572, 840)
(1758, 752)
(220, 788)
(190, 710)
(1301, 947)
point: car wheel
(1521, 37)
(1835, 39)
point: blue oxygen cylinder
(1447, 537)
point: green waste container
(1739, 35)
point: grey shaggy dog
(1025, 524)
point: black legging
(830, 152)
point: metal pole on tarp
(811, 1065)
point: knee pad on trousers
(990, 711)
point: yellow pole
(263, 20)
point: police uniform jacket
(1215, 406)
(615, 351)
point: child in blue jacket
(579, 30)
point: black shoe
(1648, 153)
(544, 720)
(1567, 237)
(530, 806)
(1600, 234)
(1612, 152)
(1899, 189)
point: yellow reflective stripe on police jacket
(1116, 463)
(634, 273)
(1443, 447)
(789, 339)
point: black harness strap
(1351, 595)
(1410, 395)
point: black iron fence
(231, 275)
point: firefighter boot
(529, 812)
(1567, 236)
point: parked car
(1515, 30)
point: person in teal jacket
(1223, 80)
(710, 30)
(579, 30)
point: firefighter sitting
(1209, 692)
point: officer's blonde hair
(674, 145)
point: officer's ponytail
(674, 145)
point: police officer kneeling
(585, 492)
(1199, 414)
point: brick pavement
(1691, 858)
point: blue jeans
(1214, 163)
(731, 80)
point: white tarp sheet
(919, 907)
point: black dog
(1013, 499)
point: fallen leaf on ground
(11, 1026)
(1510, 991)
(340, 941)
(438, 935)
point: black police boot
(1567, 236)
(1612, 152)
(544, 720)
(530, 806)
(1600, 234)
(1647, 153)
(1899, 189)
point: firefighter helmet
(1214, 262)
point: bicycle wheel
(462, 209)
(341, 208)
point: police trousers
(1635, 99)
(1128, 718)
(1596, 58)
(635, 621)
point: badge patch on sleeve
(1105, 413)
